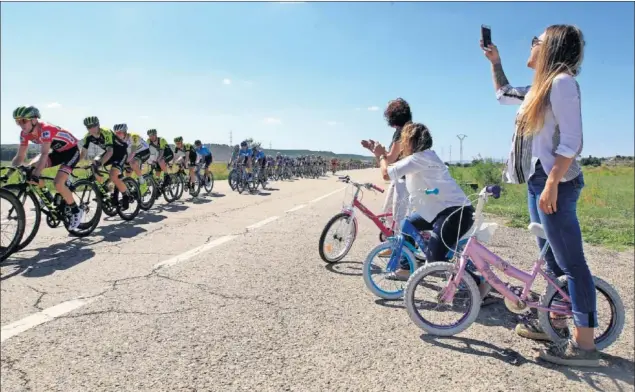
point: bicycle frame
(376, 219)
(483, 258)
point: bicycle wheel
(133, 200)
(32, 222)
(88, 192)
(177, 180)
(148, 197)
(346, 238)
(170, 191)
(209, 182)
(12, 211)
(375, 272)
(467, 291)
(604, 337)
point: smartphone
(486, 35)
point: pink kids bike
(341, 230)
(459, 297)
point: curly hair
(398, 113)
(415, 137)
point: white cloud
(272, 120)
(373, 109)
(331, 123)
(54, 105)
(227, 81)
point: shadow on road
(393, 304)
(477, 348)
(62, 256)
(346, 268)
(263, 193)
(214, 194)
(175, 206)
(199, 200)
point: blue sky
(307, 75)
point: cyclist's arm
(20, 155)
(44, 155)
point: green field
(606, 209)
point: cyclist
(58, 148)
(115, 154)
(334, 165)
(260, 158)
(234, 157)
(245, 154)
(138, 152)
(188, 150)
(204, 154)
(165, 154)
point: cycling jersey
(106, 139)
(133, 140)
(245, 153)
(204, 151)
(60, 139)
(186, 148)
(160, 145)
(259, 155)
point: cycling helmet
(26, 112)
(236, 147)
(91, 121)
(178, 139)
(152, 132)
(120, 128)
(197, 143)
(243, 144)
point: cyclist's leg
(192, 166)
(139, 159)
(67, 160)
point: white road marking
(262, 222)
(327, 195)
(46, 315)
(301, 206)
(49, 314)
(193, 252)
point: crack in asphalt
(10, 365)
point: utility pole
(461, 137)
(270, 144)
(442, 153)
(230, 138)
(450, 160)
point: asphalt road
(228, 293)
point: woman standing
(397, 115)
(547, 140)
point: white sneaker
(76, 220)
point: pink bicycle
(345, 225)
(554, 306)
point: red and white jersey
(60, 139)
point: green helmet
(26, 112)
(178, 139)
(91, 121)
(152, 132)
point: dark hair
(398, 114)
(415, 137)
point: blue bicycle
(400, 249)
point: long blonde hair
(562, 51)
(415, 137)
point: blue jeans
(565, 256)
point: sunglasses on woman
(535, 41)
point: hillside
(221, 152)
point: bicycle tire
(133, 191)
(21, 192)
(153, 193)
(86, 229)
(366, 267)
(470, 284)
(617, 307)
(18, 209)
(325, 231)
(209, 182)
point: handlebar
(375, 187)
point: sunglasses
(22, 121)
(535, 41)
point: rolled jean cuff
(586, 319)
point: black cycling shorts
(192, 157)
(118, 158)
(142, 156)
(168, 155)
(207, 160)
(67, 160)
